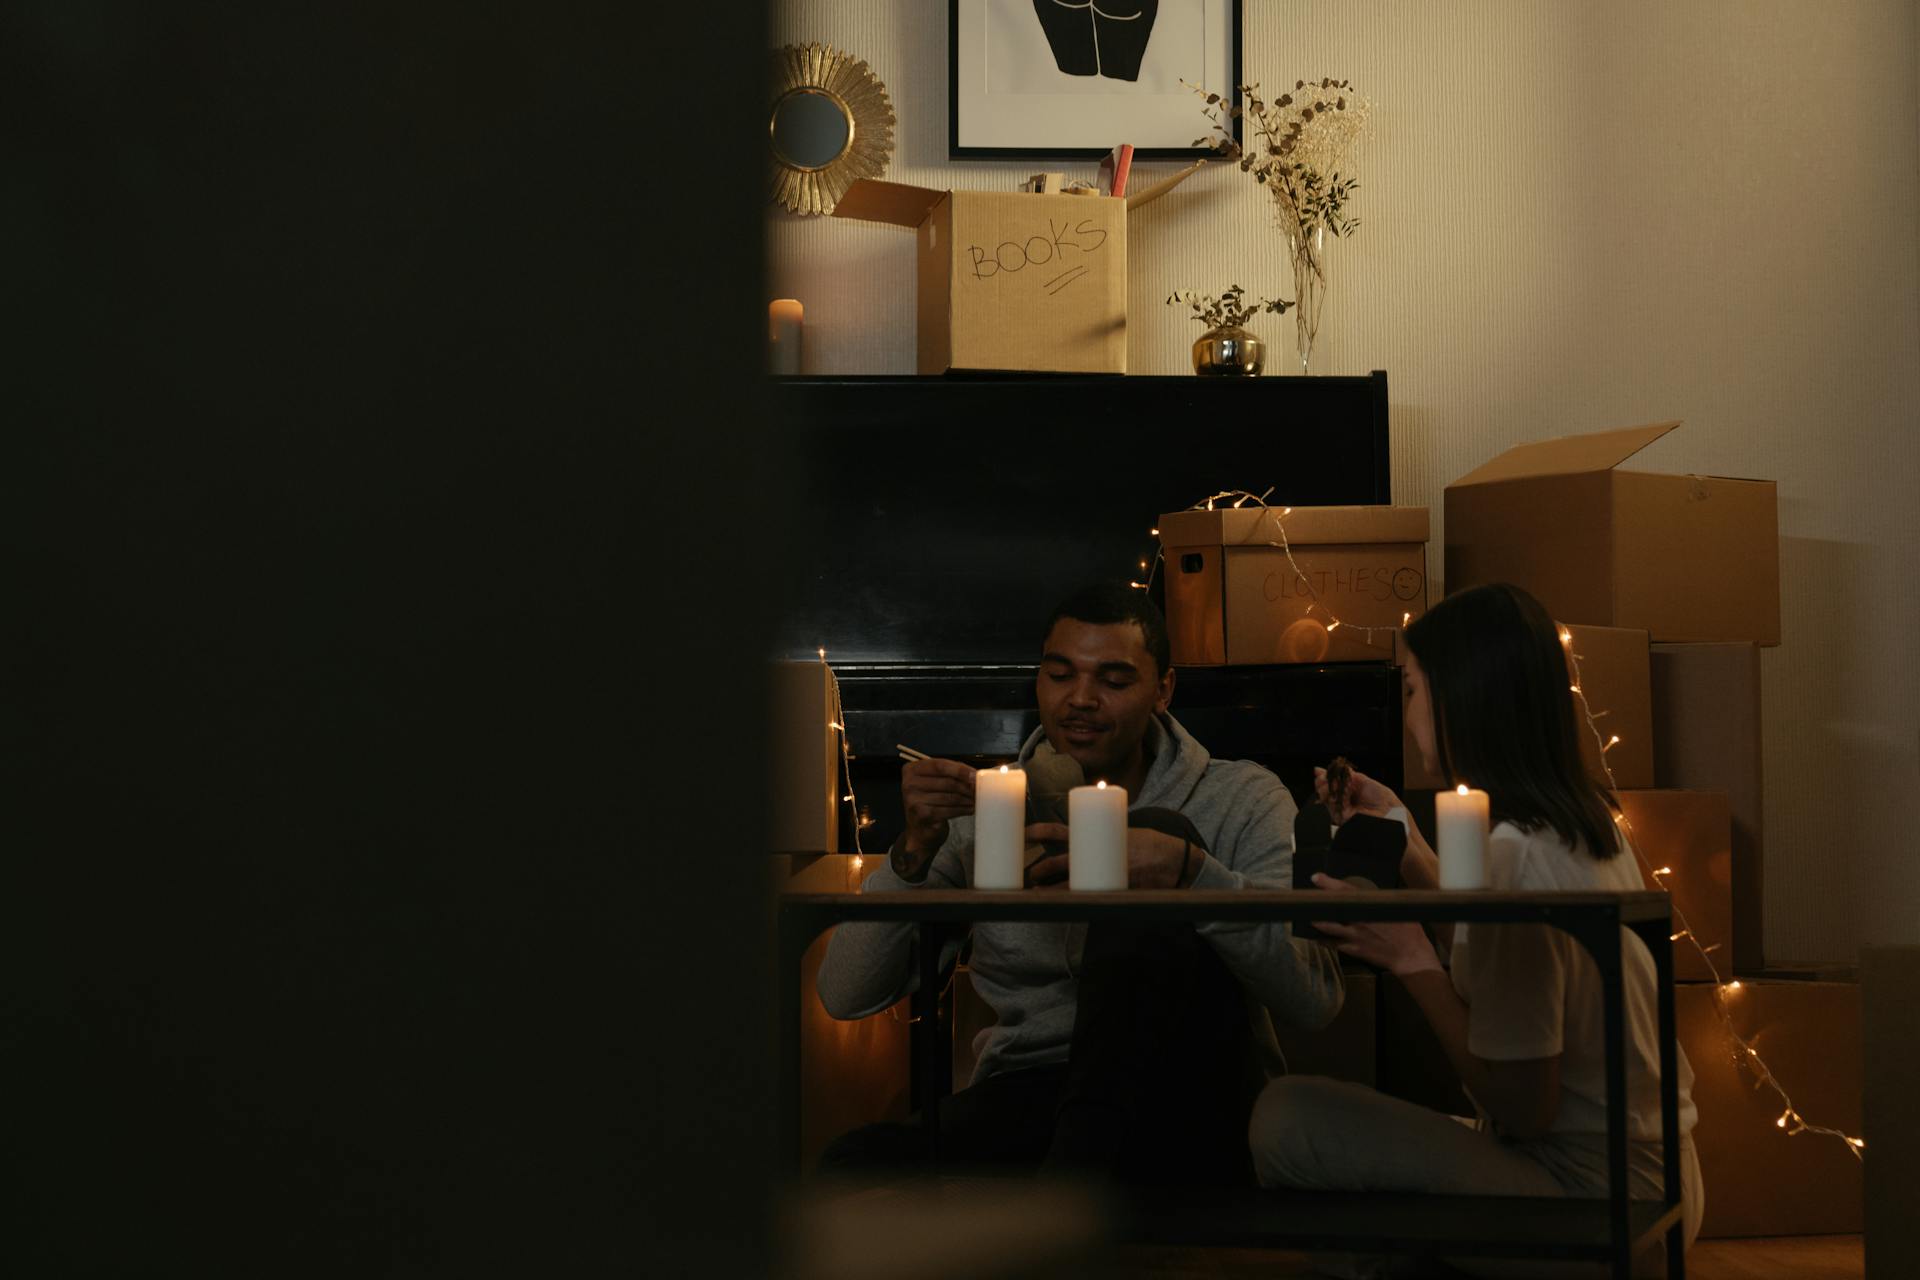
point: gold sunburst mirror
(830, 124)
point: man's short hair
(1106, 603)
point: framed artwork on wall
(1071, 79)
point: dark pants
(1157, 1087)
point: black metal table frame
(1592, 919)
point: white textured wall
(1577, 216)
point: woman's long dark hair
(1505, 718)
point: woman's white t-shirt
(1533, 992)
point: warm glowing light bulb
(1663, 871)
(1566, 636)
(858, 862)
(1574, 687)
(823, 655)
(1098, 786)
(1462, 788)
(1286, 511)
(1333, 626)
(1859, 1144)
(1405, 618)
(1003, 768)
(1781, 1123)
(1676, 937)
(1613, 741)
(1154, 532)
(835, 724)
(848, 796)
(1734, 985)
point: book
(1115, 168)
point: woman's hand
(1399, 947)
(1363, 795)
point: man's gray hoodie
(1025, 972)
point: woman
(1488, 704)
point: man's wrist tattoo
(910, 867)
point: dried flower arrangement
(1231, 310)
(1301, 139)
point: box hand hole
(1191, 562)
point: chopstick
(909, 754)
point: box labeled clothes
(1254, 585)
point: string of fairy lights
(1744, 1053)
(837, 725)
(1790, 1120)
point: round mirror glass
(810, 129)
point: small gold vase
(1233, 353)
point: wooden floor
(1789, 1258)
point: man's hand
(1155, 860)
(1400, 947)
(1362, 795)
(933, 792)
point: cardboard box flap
(1569, 455)
(895, 202)
(1163, 186)
(1306, 526)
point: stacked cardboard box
(851, 1073)
(1760, 1179)
(1598, 546)
(1706, 733)
(805, 759)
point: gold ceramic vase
(1228, 353)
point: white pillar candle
(1097, 837)
(999, 828)
(1460, 819)
(784, 316)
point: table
(1610, 1230)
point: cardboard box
(1680, 557)
(804, 759)
(1691, 832)
(1013, 281)
(1706, 736)
(1614, 673)
(1890, 992)
(1233, 597)
(1760, 1181)
(851, 1073)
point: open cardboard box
(1681, 557)
(1013, 281)
(1233, 598)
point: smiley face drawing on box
(1098, 37)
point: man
(1121, 1051)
